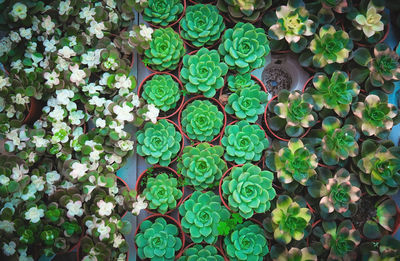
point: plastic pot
(174, 23)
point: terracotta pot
(182, 100)
(140, 189)
(307, 82)
(78, 252)
(220, 186)
(212, 100)
(203, 244)
(174, 23)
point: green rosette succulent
(162, 193)
(243, 10)
(289, 220)
(166, 50)
(203, 72)
(244, 47)
(339, 193)
(375, 115)
(202, 25)
(246, 242)
(201, 253)
(380, 167)
(294, 112)
(238, 82)
(244, 142)
(369, 22)
(202, 166)
(201, 120)
(158, 240)
(281, 253)
(158, 143)
(336, 93)
(162, 12)
(201, 214)
(249, 190)
(388, 249)
(162, 91)
(247, 103)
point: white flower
(118, 240)
(40, 142)
(34, 214)
(30, 193)
(9, 249)
(16, 65)
(48, 25)
(152, 113)
(38, 182)
(113, 158)
(66, 52)
(97, 29)
(78, 170)
(95, 100)
(67, 185)
(125, 145)
(94, 155)
(105, 208)
(14, 36)
(100, 123)
(32, 157)
(87, 13)
(74, 209)
(121, 257)
(4, 180)
(62, 64)
(19, 172)
(35, 23)
(135, 100)
(64, 7)
(92, 88)
(57, 114)
(104, 78)
(92, 58)
(139, 205)
(4, 82)
(5, 45)
(111, 3)
(19, 99)
(77, 75)
(25, 33)
(113, 17)
(51, 78)
(110, 63)
(75, 117)
(50, 45)
(146, 32)
(72, 41)
(7, 226)
(19, 11)
(123, 82)
(104, 231)
(123, 113)
(52, 176)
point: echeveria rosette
(334, 93)
(201, 120)
(243, 10)
(281, 253)
(248, 190)
(388, 249)
(162, 193)
(380, 168)
(162, 12)
(158, 143)
(238, 82)
(244, 47)
(369, 22)
(202, 25)
(244, 142)
(203, 72)
(201, 214)
(246, 242)
(296, 110)
(162, 91)
(158, 240)
(201, 253)
(166, 50)
(247, 103)
(202, 166)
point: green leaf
(371, 230)
(362, 56)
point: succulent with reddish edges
(162, 12)
(281, 253)
(243, 10)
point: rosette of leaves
(380, 167)
(158, 240)
(166, 50)
(246, 242)
(158, 143)
(339, 193)
(388, 248)
(203, 72)
(379, 70)
(244, 47)
(247, 103)
(238, 82)
(294, 164)
(281, 253)
(162, 91)
(128, 41)
(202, 25)
(243, 10)
(249, 190)
(375, 115)
(162, 192)
(289, 220)
(162, 12)
(325, 9)
(335, 93)
(294, 112)
(201, 120)
(202, 166)
(201, 214)
(201, 253)
(244, 142)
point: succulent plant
(158, 240)
(248, 190)
(246, 242)
(162, 12)
(244, 142)
(247, 103)
(243, 10)
(294, 112)
(202, 25)
(369, 22)
(380, 167)
(202, 166)
(238, 82)
(339, 193)
(201, 120)
(203, 72)
(201, 253)
(162, 192)
(158, 143)
(336, 93)
(387, 249)
(281, 253)
(244, 47)
(201, 214)
(289, 220)
(166, 50)
(137, 38)
(162, 91)
(375, 115)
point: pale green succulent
(370, 22)
(201, 253)
(237, 82)
(162, 12)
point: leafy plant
(238, 82)
(137, 38)
(225, 227)
(243, 10)
(199, 252)
(369, 21)
(387, 249)
(162, 12)
(279, 252)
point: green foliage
(279, 252)
(162, 12)
(225, 227)
(201, 253)
(238, 82)
(243, 10)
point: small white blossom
(125, 145)
(7, 226)
(57, 114)
(95, 100)
(19, 172)
(19, 99)
(91, 58)
(92, 88)
(118, 240)
(16, 65)
(100, 123)
(38, 182)
(78, 170)
(66, 52)
(52, 177)
(4, 180)
(124, 113)
(9, 249)
(87, 13)
(123, 82)
(152, 113)
(48, 25)
(139, 205)
(146, 32)
(74, 209)
(62, 64)
(14, 36)
(77, 75)
(19, 11)
(64, 96)
(34, 214)
(4, 82)
(104, 231)
(64, 7)
(25, 33)
(105, 208)
(32, 157)
(50, 45)
(40, 142)
(51, 78)
(75, 117)
(97, 29)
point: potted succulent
(279, 252)
(199, 252)
(137, 38)
(245, 11)
(164, 13)
(387, 248)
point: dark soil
(366, 211)
(276, 79)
